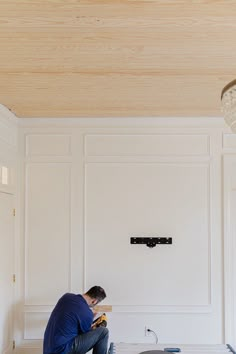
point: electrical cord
(154, 333)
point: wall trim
(175, 122)
(26, 232)
(199, 309)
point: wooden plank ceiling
(89, 58)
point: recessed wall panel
(35, 324)
(48, 145)
(146, 144)
(233, 176)
(47, 227)
(124, 200)
(229, 141)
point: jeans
(96, 339)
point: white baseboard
(31, 347)
(8, 350)
(23, 350)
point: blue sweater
(70, 317)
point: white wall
(88, 185)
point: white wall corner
(8, 127)
(7, 114)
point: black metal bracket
(151, 241)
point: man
(69, 329)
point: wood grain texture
(103, 308)
(71, 58)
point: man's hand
(100, 321)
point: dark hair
(96, 292)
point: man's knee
(103, 331)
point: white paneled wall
(143, 199)
(155, 183)
(87, 187)
(47, 227)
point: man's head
(95, 295)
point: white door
(6, 269)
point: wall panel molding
(48, 145)
(143, 307)
(132, 308)
(44, 186)
(229, 142)
(146, 145)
